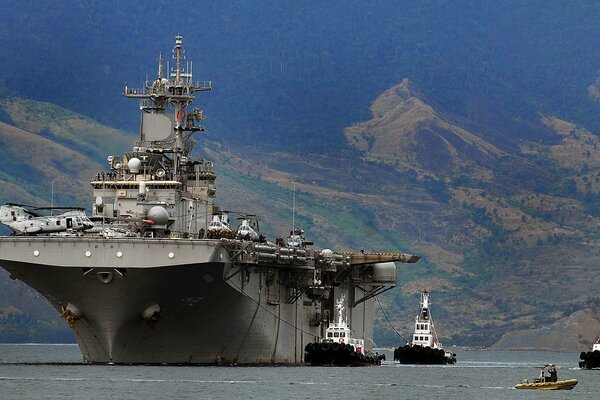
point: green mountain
(506, 228)
(45, 146)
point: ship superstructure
(339, 332)
(424, 330)
(163, 277)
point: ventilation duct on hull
(105, 277)
(151, 315)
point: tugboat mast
(425, 305)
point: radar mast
(176, 92)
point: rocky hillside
(408, 133)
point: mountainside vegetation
(462, 131)
(504, 228)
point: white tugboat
(425, 348)
(338, 347)
(591, 359)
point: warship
(158, 274)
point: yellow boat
(566, 384)
(548, 382)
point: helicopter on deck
(297, 239)
(248, 228)
(219, 226)
(26, 220)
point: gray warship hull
(210, 311)
(158, 275)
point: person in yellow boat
(542, 377)
(552, 374)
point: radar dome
(326, 253)
(134, 165)
(159, 215)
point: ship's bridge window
(336, 334)
(329, 334)
(343, 334)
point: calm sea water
(54, 371)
